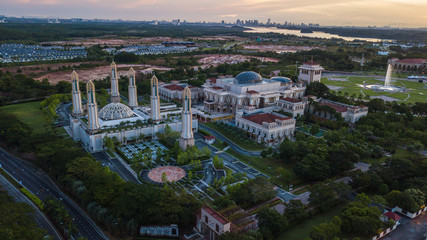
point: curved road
(40, 185)
(234, 146)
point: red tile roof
(252, 92)
(215, 214)
(174, 87)
(209, 137)
(213, 80)
(337, 107)
(264, 117)
(288, 99)
(412, 60)
(392, 215)
(311, 63)
(217, 88)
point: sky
(395, 13)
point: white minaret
(133, 100)
(92, 108)
(187, 138)
(155, 100)
(77, 97)
(115, 95)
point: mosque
(126, 123)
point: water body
(315, 34)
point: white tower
(155, 100)
(115, 95)
(133, 100)
(77, 98)
(187, 138)
(92, 108)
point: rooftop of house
(215, 215)
(392, 215)
(291, 100)
(264, 117)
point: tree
(164, 177)
(327, 230)
(359, 218)
(109, 143)
(314, 129)
(322, 196)
(317, 89)
(295, 211)
(270, 222)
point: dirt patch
(218, 59)
(35, 70)
(98, 73)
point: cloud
(326, 12)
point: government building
(125, 123)
(267, 128)
(229, 95)
(409, 65)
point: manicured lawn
(302, 230)
(30, 114)
(416, 90)
(269, 167)
(243, 143)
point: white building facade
(294, 106)
(116, 120)
(267, 128)
(229, 95)
(310, 72)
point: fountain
(387, 87)
(388, 76)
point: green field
(248, 145)
(417, 91)
(302, 230)
(30, 114)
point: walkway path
(234, 146)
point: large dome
(282, 79)
(114, 111)
(248, 78)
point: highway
(41, 220)
(42, 186)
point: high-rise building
(115, 95)
(187, 138)
(92, 108)
(133, 100)
(155, 100)
(77, 98)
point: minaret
(77, 98)
(187, 138)
(92, 108)
(115, 95)
(155, 100)
(133, 100)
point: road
(413, 229)
(42, 186)
(116, 166)
(234, 146)
(41, 220)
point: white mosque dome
(115, 111)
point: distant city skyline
(394, 13)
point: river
(315, 34)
